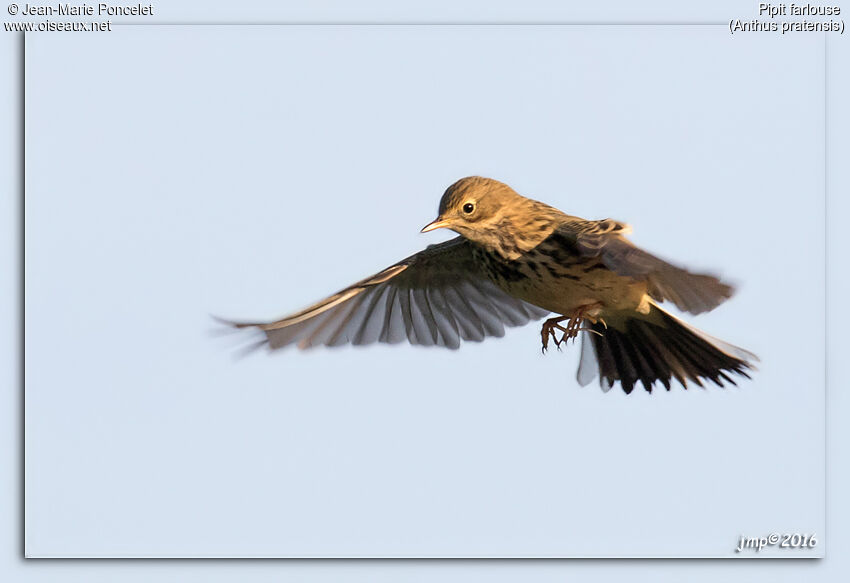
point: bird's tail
(658, 347)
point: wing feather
(438, 296)
(691, 292)
(386, 330)
(470, 326)
(426, 319)
(369, 329)
(445, 319)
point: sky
(247, 173)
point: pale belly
(561, 295)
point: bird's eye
(468, 208)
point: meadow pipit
(518, 260)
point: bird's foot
(552, 326)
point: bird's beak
(438, 223)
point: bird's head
(473, 206)
(490, 213)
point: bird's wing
(435, 297)
(691, 292)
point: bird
(516, 260)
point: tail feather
(661, 348)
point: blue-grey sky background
(836, 475)
(247, 171)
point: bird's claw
(570, 332)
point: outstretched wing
(435, 297)
(691, 292)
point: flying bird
(518, 260)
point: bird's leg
(588, 312)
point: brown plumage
(518, 259)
